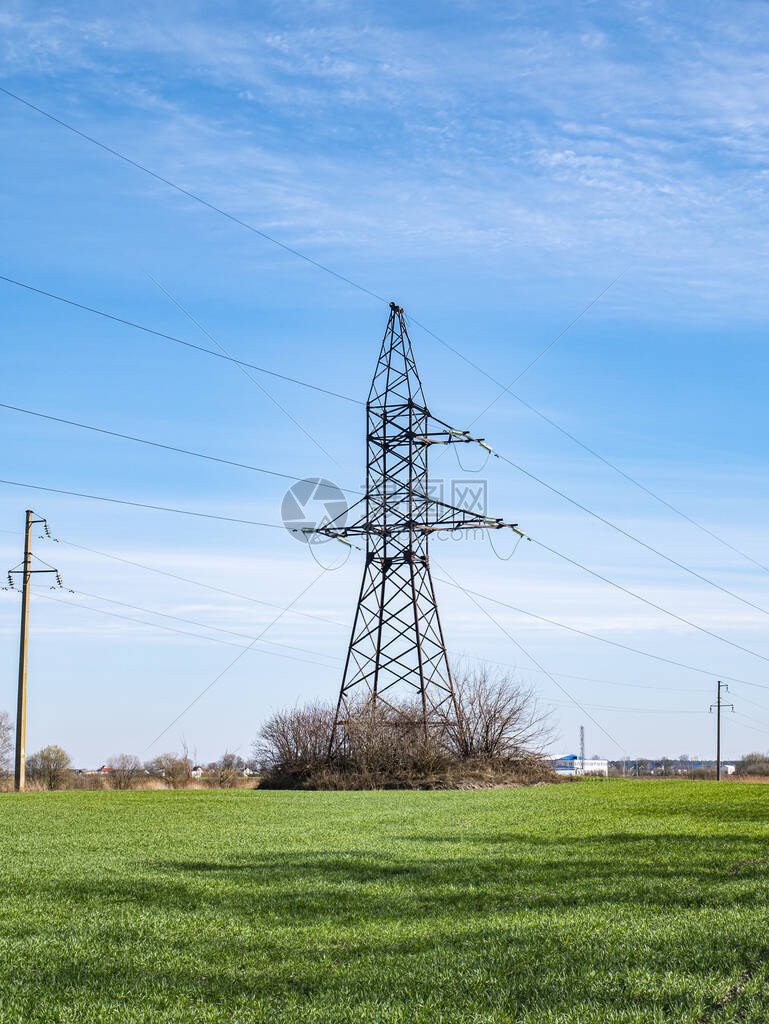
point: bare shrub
(296, 739)
(753, 764)
(493, 728)
(6, 741)
(384, 737)
(50, 767)
(494, 718)
(85, 780)
(227, 769)
(172, 768)
(124, 770)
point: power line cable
(196, 583)
(287, 476)
(193, 196)
(159, 444)
(342, 625)
(637, 483)
(233, 662)
(182, 632)
(647, 601)
(710, 673)
(179, 341)
(515, 465)
(139, 504)
(372, 294)
(630, 536)
(245, 372)
(202, 625)
(534, 661)
(634, 711)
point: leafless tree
(495, 717)
(295, 739)
(124, 769)
(49, 766)
(6, 741)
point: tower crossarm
(441, 432)
(441, 517)
(454, 517)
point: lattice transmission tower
(396, 646)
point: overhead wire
(159, 444)
(534, 661)
(625, 533)
(343, 625)
(202, 625)
(235, 660)
(191, 195)
(648, 602)
(710, 673)
(182, 632)
(354, 284)
(276, 473)
(140, 504)
(193, 582)
(180, 341)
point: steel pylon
(397, 648)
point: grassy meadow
(594, 903)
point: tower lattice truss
(397, 650)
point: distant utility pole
(718, 705)
(26, 571)
(582, 746)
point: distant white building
(572, 764)
(728, 769)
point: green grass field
(593, 904)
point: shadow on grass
(488, 931)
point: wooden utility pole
(21, 705)
(718, 705)
(26, 571)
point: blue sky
(493, 168)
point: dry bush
(124, 770)
(51, 767)
(86, 780)
(494, 729)
(296, 739)
(226, 771)
(494, 718)
(172, 768)
(387, 738)
(753, 764)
